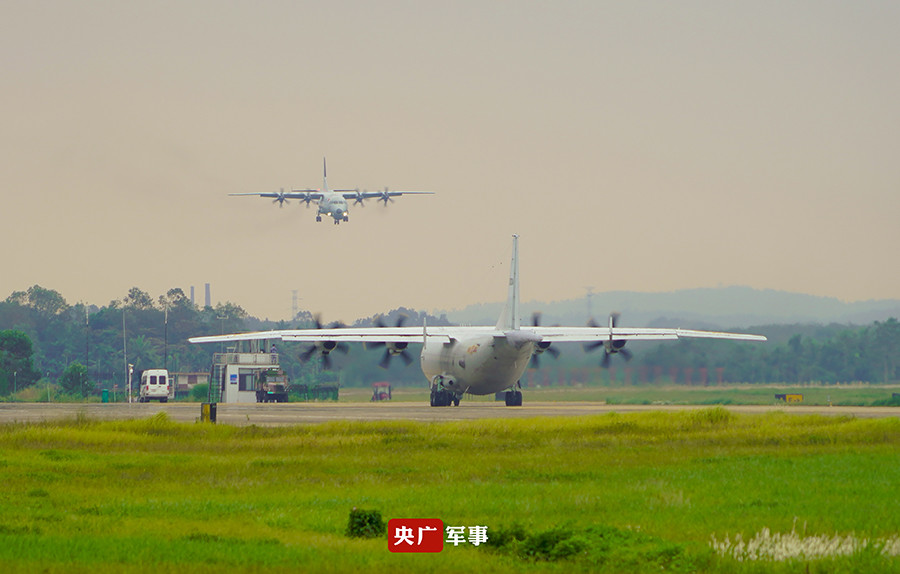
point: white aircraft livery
(332, 202)
(478, 360)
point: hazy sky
(645, 146)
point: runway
(272, 414)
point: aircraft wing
(590, 334)
(302, 194)
(347, 334)
(352, 335)
(417, 334)
(354, 194)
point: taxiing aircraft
(479, 360)
(333, 202)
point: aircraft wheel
(455, 401)
(440, 398)
(514, 398)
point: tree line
(85, 347)
(794, 354)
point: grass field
(617, 493)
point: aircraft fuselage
(335, 206)
(480, 365)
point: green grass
(619, 492)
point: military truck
(272, 387)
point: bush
(365, 524)
(554, 544)
(74, 379)
(894, 401)
(200, 392)
(601, 548)
(506, 536)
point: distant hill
(708, 308)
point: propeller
(324, 347)
(611, 346)
(359, 199)
(307, 198)
(307, 353)
(385, 196)
(280, 199)
(391, 349)
(326, 356)
(389, 355)
(542, 346)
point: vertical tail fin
(509, 319)
(324, 175)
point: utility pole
(125, 355)
(87, 349)
(166, 339)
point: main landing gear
(514, 396)
(441, 397)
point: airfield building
(236, 377)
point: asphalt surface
(280, 414)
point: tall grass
(153, 494)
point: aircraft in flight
(333, 202)
(478, 360)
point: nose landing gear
(441, 397)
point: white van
(155, 385)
